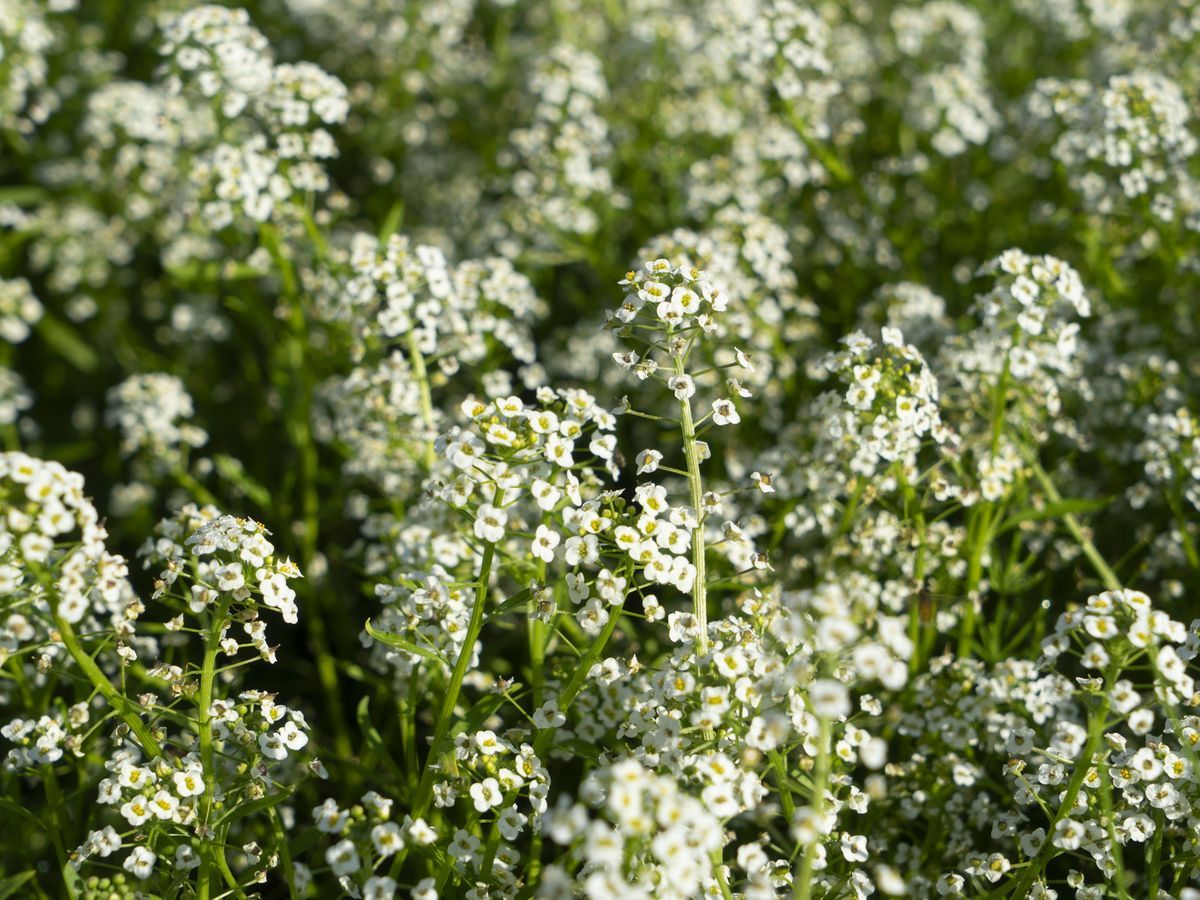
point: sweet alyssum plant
(843, 548)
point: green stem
(299, 426)
(1096, 723)
(817, 802)
(1110, 579)
(54, 800)
(417, 359)
(198, 491)
(1181, 522)
(208, 847)
(696, 486)
(450, 700)
(100, 682)
(980, 537)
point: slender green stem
(779, 765)
(100, 682)
(450, 700)
(817, 801)
(1185, 536)
(54, 800)
(696, 486)
(208, 847)
(1110, 579)
(582, 669)
(417, 359)
(979, 532)
(189, 483)
(299, 427)
(1096, 723)
(719, 871)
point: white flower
(230, 578)
(189, 783)
(545, 494)
(486, 794)
(854, 847)
(140, 863)
(379, 887)
(387, 838)
(829, 699)
(725, 413)
(544, 542)
(762, 482)
(342, 858)
(681, 386)
(489, 523)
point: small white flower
(140, 863)
(489, 523)
(486, 794)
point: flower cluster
(19, 309)
(890, 405)
(227, 563)
(152, 412)
(1124, 144)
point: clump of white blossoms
(25, 40)
(19, 309)
(271, 133)
(153, 413)
(53, 561)
(819, 566)
(228, 564)
(890, 404)
(1125, 144)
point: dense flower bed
(647, 448)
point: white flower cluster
(650, 839)
(273, 137)
(152, 413)
(561, 155)
(19, 309)
(1125, 143)
(367, 837)
(407, 304)
(890, 405)
(942, 44)
(44, 508)
(25, 39)
(15, 396)
(42, 742)
(1170, 453)
(1028, 340)
(225, 562)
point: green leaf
(584, 749)
(21, 194)
(394, 640)
(301, 845)
(235, 473)
(392, 221)
(516, 601)
(66, 341)
(1055, 510)
(13, 808)
(372, 736)
(9, 886)
(248, 809)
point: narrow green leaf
(9, 886)
(394, 640)
(372, 736)
(248, 809)
(66, 341)
(1055, 510)
(235, 473)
